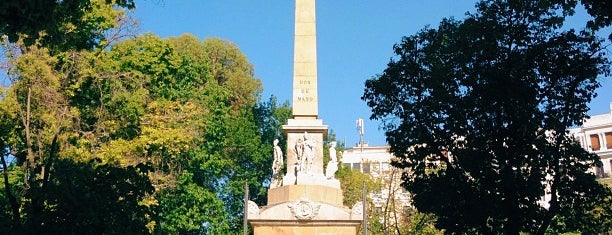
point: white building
(376, 161)
(595, 135)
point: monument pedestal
(312, 192)
(323, 227)
(307, 202)
(305, 209)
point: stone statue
(299, 153)
(277, 165)
(309, 146)
(332, 165)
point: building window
(356, 166)
(609, 140)
(610, 168)
(366, 168)
(385, 167)
(375, 167)
(347, 165)
(595, 142)
(599, 172)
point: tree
(232, 69)
(85, 198)
(477, 112)
(61, 25)
(352, 182)
(600, 11)
(145, 116)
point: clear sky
(354, 43)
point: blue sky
(354, 37)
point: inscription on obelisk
(305, 96)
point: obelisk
(305, 201)
(305, 132)
(305, 96)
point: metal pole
(245, 225)
(365, 212)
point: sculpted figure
(299, 152)
(277, 164)
(332, 165)
(309, 146)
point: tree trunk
(553, 205)
(28, 133)
(28, 164)
(9, 194)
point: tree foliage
(497, 91)
(142, 135)
(600, 12)
(61, 25)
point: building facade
(376, 161)
(595, 135)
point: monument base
(310, 227)
(315, 193)
(308, 179)
(305, 209)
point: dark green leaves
(497, 91)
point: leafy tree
(107, 114)
(271, 116)
(600, 12)
(88, 198)
(351, 183)
(61, 25)
(203, 145)
(232, 69)
(497, 91)
(56, 183)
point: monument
(305, 200)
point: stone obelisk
(305, 128)
(305, 95)
(305, 201)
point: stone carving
(253, 208)
(299, 153)
(304, 150)
(304, 209)
(357, 208)
(332, 165)
(277, 165)
(309, 147)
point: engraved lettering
(305, 99)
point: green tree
(231, 69)
(270, 116)
(61, 25)
(352, 183)
(147, 112)
(40, 129)
(497, 91)
(87, 198)
(600, 12)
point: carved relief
(304, 209)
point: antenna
(360, 128)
